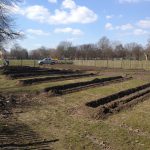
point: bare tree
(62, 48)
(136, 50)
(7, 29)
(147, 51)
(105, 48)
(71, 52)
(40, 53)
(120, 51)
(18, 52)
(87, 51)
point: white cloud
(113, 16)
(129, 29)
(68, 30)
(125, 27)
(128, 1)
(69, 4)
(69, 13)
(37, 32)
(52, 1)
(144, 23)
(109, 26)
(38, 13)
(133, 1)
(140, 32)
(109, 16)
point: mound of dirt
(116, 102)
(20, 69)
(73, 87)
(54, 78)
(6, 104)
(26, 71)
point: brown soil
(54, 79)
(119, 101)
(11, 104)
(6, 104)
(41, 73)
(20, 69)
(14, 72)
(74, 87)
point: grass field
(65, 117)
(33, 63)
(124, 64)
(13, 85)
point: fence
(124, 64)
(33, 63)
(21, 62)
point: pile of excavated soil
(114, 103)
(74, 87)
(6, 105)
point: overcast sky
(47, 22)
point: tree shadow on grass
(15, 135)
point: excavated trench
(20, 69)
(54, 79)
(14, 72)
(74, 87)
(35, 74)
(119, 101)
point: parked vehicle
(47, 61)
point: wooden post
(121, 63)
(141, 64)
(21, 61)
(34, 62)
(107, 63)
(130, 63)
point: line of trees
(103, 49)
